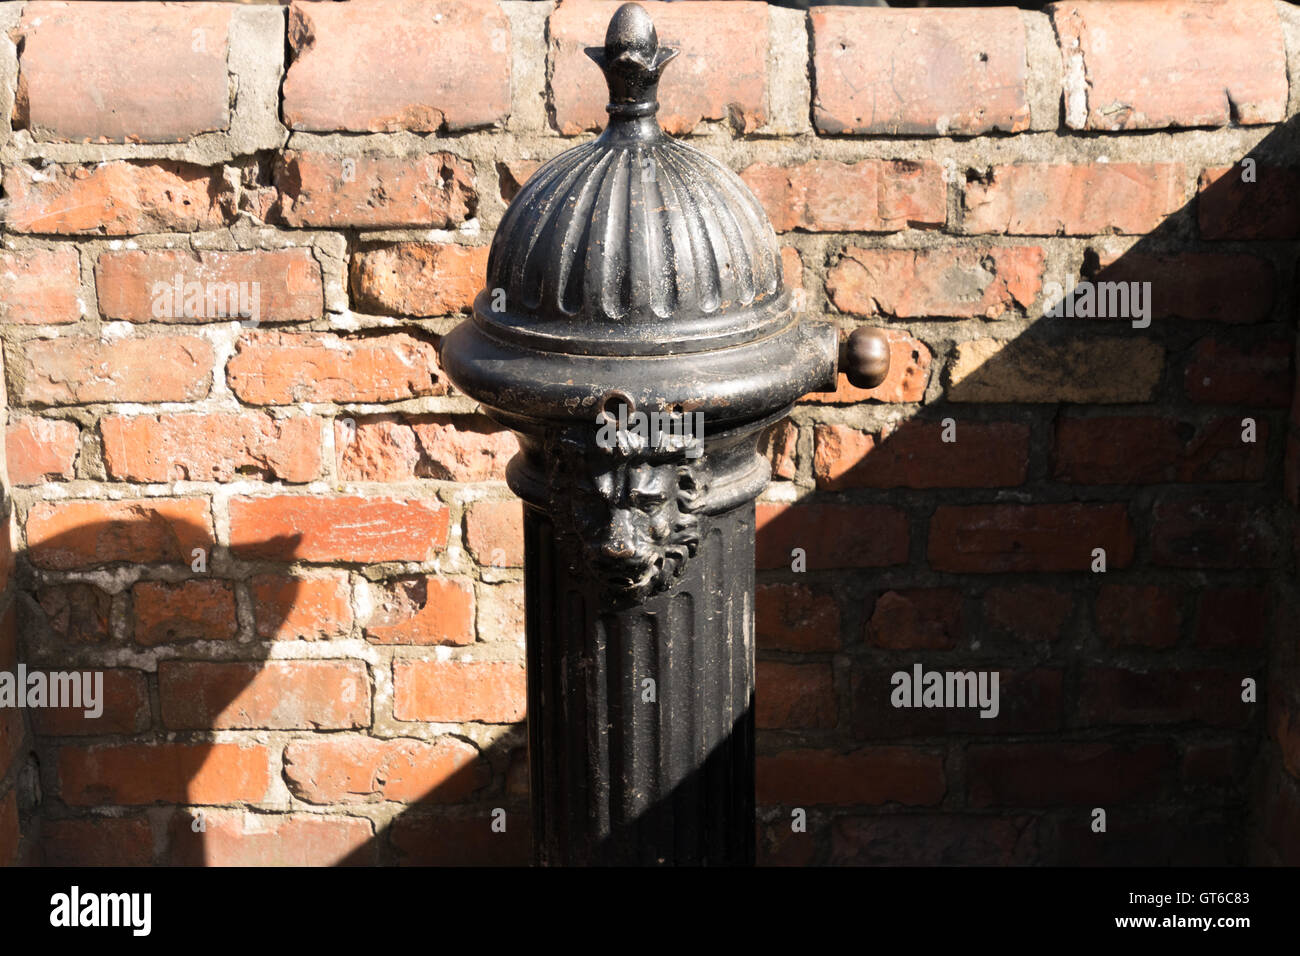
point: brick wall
(288, 544)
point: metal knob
(864, 357)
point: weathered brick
(1232, 617)
(830, 535)
(1200, 533)
(1033, 369)
(494, 533)
(1262, 202)
(349, 769)
(492, 692)
(1142, 615)
(418, 278)
(911, 73)
(957, 283)
(117, 198)
(1115, 695)
(721, 73)
(1026, 612)
(78, 370)
(1067, 774)
(423, 610)
(1029, 701)
(135, 773)
(917, 618)
(1038, 537)
(1130, 449)
(217, 446)
(1044, 199)
(872, 775)
(276, 368)
(934, 839)
(513, 173)
(909, 374)
(41, 286)
(276, 695)
(354, 529)
(124, 704)
(424, 840)
(1221, 373)
(397, 65)
(795, 617)
(238, 838)
(373, 191)
(62, 535)
(1214, 64)
(466, 448)
(869, 196)
(97, 841)
(75, 613)
(156, 76)
(794, 696)
(272, 285)
(314, 608)
(197, 610)
(914, 455)
(1205, 286)
(40, 449)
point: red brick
(491, 692)
(831, 536)
(494, 533)
(239, 838)
(780, 845)
(125, 702)
(911, 73)
(779, 445)
(1219, 373)
(423, 610)
(1232, 617)
(117, 198)
(721, 73)
(1199, 533)
(342, 770)
(448, 447)
(38, 450)
(220, 446)
(373, 191)
(869, 196)
(795, 617)
(171, 284)
(1204, 286)
(157, 76)
(513, 173)
(1029, 701)
(1044, 199)
(315, 608)
(1213, 764)
(1027, 612)
(196, 610)
(934, 840)
(41, 286)
(418, 278)
(1141, 450)
(1267, 207)
(134, 774)
(958, 283)
(276, 695)
(397, 65)
(1215, 64)
(79, 370)
(792, 270)
(97, 841)
(919, 618)
(364, 530)
(909, 374)
(275, 368)
(1039, 537)
(1066, 774)
(1116, 696)
(1138, 615)
(794, 696)
(872, 775)
(10, 831)
(914, 455)
(64, 535)
(460, 841)
(74, 613)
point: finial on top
(632, 62)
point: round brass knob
(864, 357)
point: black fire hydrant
(636, 333)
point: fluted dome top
(633, 243)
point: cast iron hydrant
(636, 334)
